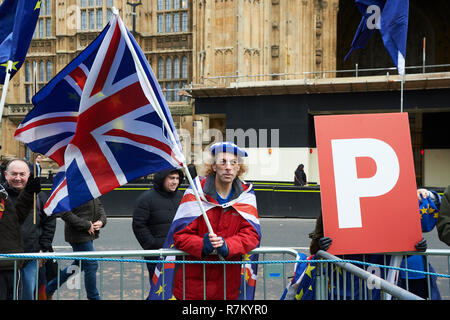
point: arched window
(41, 71)
(176, 68)
(169, 92)
(184, 67)
(184, 22)
(168, 68)
(168, 23)
(160, 68)
(176, 86)
(27, 71)
(49, 70)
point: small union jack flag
(102, 120)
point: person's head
(38, 158)
(172, 181)
(227, 163)
(300, 167)
(168, 181)
(17, 174)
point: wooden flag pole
(9, 65)
(34, 155)
(34, 194)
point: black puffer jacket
(154, 211)
(12, 216)
(78, 221)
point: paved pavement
(280, 232)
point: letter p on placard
(350, 188)
(367, 183)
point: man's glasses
(224, 162)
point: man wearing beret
(231, 209)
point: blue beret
(227, 147)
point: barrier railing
(276, 266)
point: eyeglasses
(224, 162)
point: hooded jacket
(154, 211)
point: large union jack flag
(162, 281)
(101, 120)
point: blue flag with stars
(18, 20)
(390, 17)
(429, 212)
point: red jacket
(240, 237)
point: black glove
(421, 246)
(325, 243)
(223, 250)
(33, 185)
(207, 246)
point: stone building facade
(218, 43)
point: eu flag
(18, 20)
(391, 18)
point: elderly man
(15, 206)
(231, 206)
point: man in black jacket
(12, 215)
(37, 231)
(82, 227)
(154, 211)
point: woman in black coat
(154, 211)
(300, 176)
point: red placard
(367, 183)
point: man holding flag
(231, 209)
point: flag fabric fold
(390, 17)
(18, 20)
(302, 285)
(188, 211)
(101, 120)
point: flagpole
(9, 65)
(163, 118)
(401, 91)
(33, 158)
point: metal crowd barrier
(126, 270)
(336, 280)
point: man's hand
(216, 241)
(91, 229)
(422, 193)
(33, 185)
(219, 244)
(97, 225)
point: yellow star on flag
(160, 290)
(423, 210)
(299, 295)
(309, 269)
(38, 5)
(13, 65)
